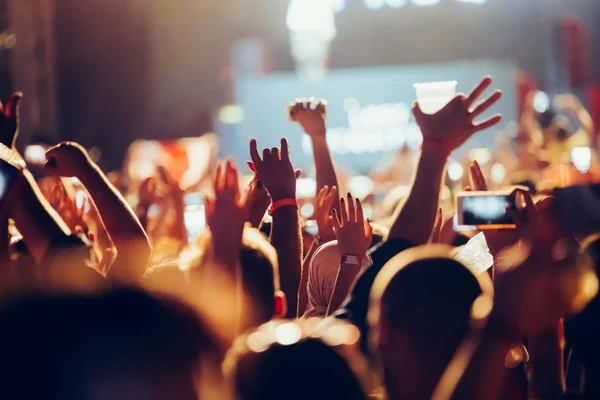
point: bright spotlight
(455, 171)
(582, 158)
(541, 102)
(375, 4)
(426, 2)
(397, 3)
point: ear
(280, 304)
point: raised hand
(226, 214)
(9, 120)
(548, 282)
(275, 170)
(311, 114)
(67, 159)
(257, 199)
(322, 215)
(496, 239)
(147, 192)
(454, 124)
(353, 232)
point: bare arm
(547, 374)
(287, 241)
(354, 235)
(275, 171)
(311, 115)
(443, 132)
(128, 236)
(414, 218)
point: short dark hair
(421, 289)
(272, 372)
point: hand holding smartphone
(485, 210)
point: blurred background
(108, 72)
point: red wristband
(282, 203)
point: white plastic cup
(433, 96)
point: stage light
(426, 2)
(375, 4)
(582, 158)
(482, 156)
(455, 171)
(231, 114)
(312, 28)
(339, 6)
(498, 173)
(541, 102)
(397, 3)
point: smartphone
(484, 210)
(194, 216)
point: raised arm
(311, 114)
(133, 248)
(277, 174)
(354, 235)
(443, 132)
(530, 298)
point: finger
(417, 112)
(344, 212)
(337, 224)
(467, 189)
(322, 194)
(266, 155)
(219, 179)
(275, 153)
(298, 173)
(368, 230)
(209, 206)
(477, 178)
(360, 216)
(329, 199)
(232, 180)
(434, 237)
(351, 209)
(478, 91)
(285, 152)
(256, 161)
(485, 105)
(487, 123)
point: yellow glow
(287, 334)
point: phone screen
(194, 215)
(485, 210)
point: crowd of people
(101, 299)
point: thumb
(416, 110)
(368, 229)
(298, 173)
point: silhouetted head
(420, 312)
(298, 361)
